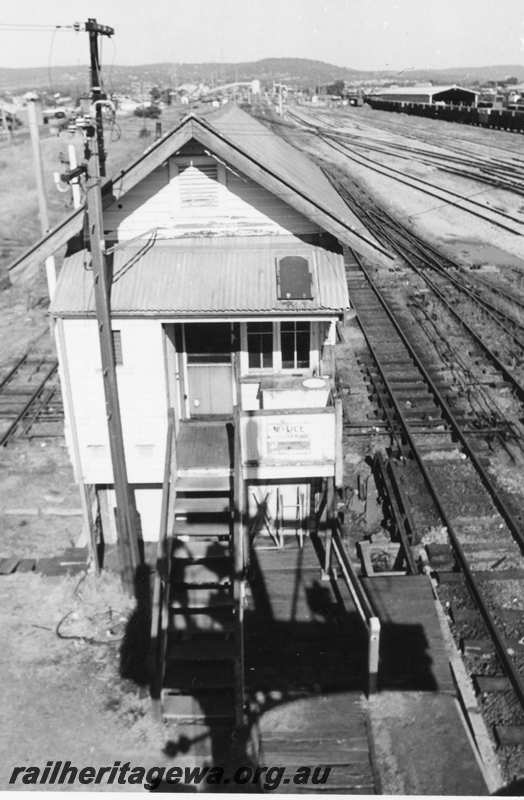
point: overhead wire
(32, 27)
(49, 61)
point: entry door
(209, 368)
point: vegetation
(19, 224)
(299, 71)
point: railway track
(30, 400)
(438, 462)
(490, 315)
(496, 170)
(498, 218)
(424, 134)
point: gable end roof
(251, 148)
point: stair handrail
(160, 601)
(362, 601)
(239, 555)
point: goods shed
(450, 95)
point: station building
(225, 246)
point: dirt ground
(457, 232)
(64, 697)
(67, 644)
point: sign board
(305, 440)
(285, 438)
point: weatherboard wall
(142, 393)
(235, 205)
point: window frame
(277, 349)
(245, 347)
(295, 367)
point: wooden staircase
(199, 647)
(199, 677)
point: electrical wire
(49, 61)
(6, 26)
(112, 67)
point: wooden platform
(205, 446)
(327, 732)
(413, 655)
(417, 707)
(306, 657)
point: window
(198, 185)
(117, 347)
(260, 345)
(293, 278)
(295, 339)
(208, 343)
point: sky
(363, 34)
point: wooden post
(50, 266)
(95, 30)
(239, 567)
(339, 462)
(126, 518)
(330, 521)
(373, 654)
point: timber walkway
(266, 647)
(306, 663)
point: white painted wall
(143, 402)
(148, 504)
(242, 208)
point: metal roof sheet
(287, 162)
(223, 275)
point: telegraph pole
(95, 30)
(126, 517)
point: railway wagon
(510, 120)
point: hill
(296, 71)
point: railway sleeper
(394, 375)
(478, 647)
(509, 735)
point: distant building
(450, 95)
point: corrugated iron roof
(235, 275)
(285, 161)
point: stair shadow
(223, 745)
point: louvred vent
(198, 185)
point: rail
(162, 580)
(6, 435)
(362, 603)
(501, 645)
(404, 525)
(510, 519)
